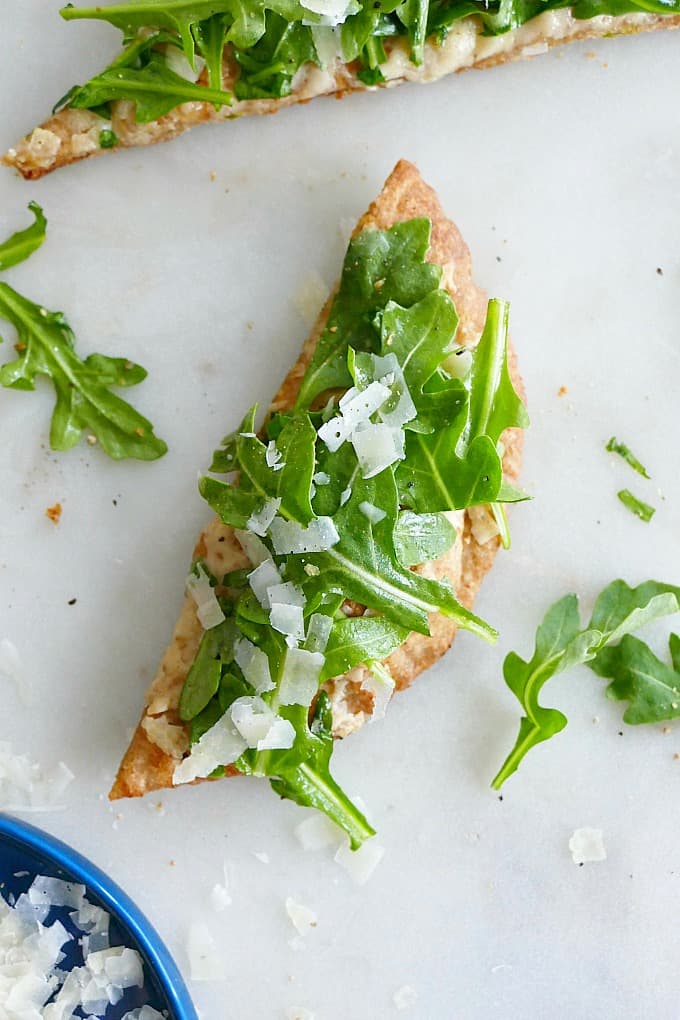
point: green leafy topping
(638, 676)
(21, 245)
(561, 643)
(270, 40)
(636, 506)
(327, 523)
(614, 446)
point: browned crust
(65, 123)
(405, 195)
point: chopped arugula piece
(323, 520)
(614, 446)
(636, 506)
(561, 643)
(21, 245)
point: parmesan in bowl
(72, 943)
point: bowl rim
(90, 875)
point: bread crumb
(91, 440)
(54, 513)
(213, 175)
(666, 730)
(562, 392)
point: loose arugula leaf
(268, 67)
(303, 773)
(380, 266)
(640, 677)
(422, 537)
(46, 347)
(21, 245)
(614, 446)
(154, 88)
(636, 506)
(561, 644)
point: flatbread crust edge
(146, 766)
(72, 135)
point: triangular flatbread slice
(161, 739)
(155, 90)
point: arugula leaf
(640, 677)
(268, 67)
(203, 679)
(211, 36)
(360, 639)
(21, 245)
(636, 506)
(154, 88)
(460, 465)
(614, 446)
(380, 266)
(422, 537)
(180, 16)
(46, 347)
(363, 566)
(303, 773)
(561, 644)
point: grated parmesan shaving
(360, 864)
(290, 537)
(259, 522)
(25, 786)
(206, 963)
(208, 609)
(302, 917)
(587, 846)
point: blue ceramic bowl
(26, 851)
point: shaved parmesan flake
(219, 895)
(290, 537)
(587, 846)
(360, 864)
(321, 478)
(300, 680)
(208, 609)
(377, 447)
(381, 685)
(256, 551)
(405, 997)
(302, 917)
(260, 521)
(145, 1013)
(24, 786)
(273, 457)
(262, 578)
(259, 726)
(221, 745)
(318, 832)
(254, 665)
(170, 738)
(345, 495)
(12, 668)
(206, 963)
(299, 1013)
(399, 408)
(373, 513)
(334, 433)
(318, 632)
(333, 12)
(287, 594)
(280, 737)
(288, 620)
(357, 406)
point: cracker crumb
(54, 513)
(562, 392)
(91, 440)
(213, 175)
(666, 730)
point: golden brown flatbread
(161, 738)
(72, 135)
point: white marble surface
(563, 174)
